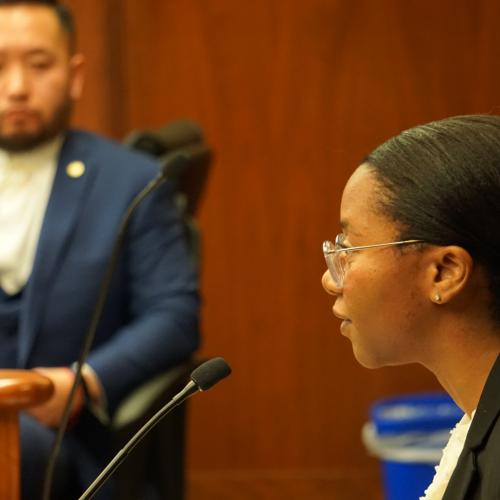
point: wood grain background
(291, 94)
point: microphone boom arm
(202, 378)
(178, 399)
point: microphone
(166, 139)
(175, 161)
(210, 373)
(203, 378)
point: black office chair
(158, 461)
(180, 136)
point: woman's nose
(329, 285)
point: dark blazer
(477, 474)
(150, 320)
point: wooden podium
(19, 389)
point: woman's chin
(367, 360)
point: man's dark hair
(441, 184)
(63, 13)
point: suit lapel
(486, 414)
(487, 410)
(73, 178)
(462, 477)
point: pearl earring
(437, 298)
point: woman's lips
(339, 315)
(345, 322)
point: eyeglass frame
(336, 267)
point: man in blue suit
(62, 196)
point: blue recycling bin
(408, 433)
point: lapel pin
(75, 169)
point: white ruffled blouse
(449, 460)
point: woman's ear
(450, 271)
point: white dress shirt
(25, 183)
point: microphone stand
(97, 313)
(179, 398)
(203, 378)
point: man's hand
(50, 412)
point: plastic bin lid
(415, 412)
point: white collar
(30, 160)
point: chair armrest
(151, 396)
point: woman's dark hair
(441, 184)
(63, 13)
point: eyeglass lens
(334, 262)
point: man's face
(39, 77)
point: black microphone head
(209, 373)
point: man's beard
(25, 141)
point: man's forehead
(30, 25)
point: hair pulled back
(441, 184)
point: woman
(416, 279)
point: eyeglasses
(336, 255)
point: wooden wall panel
(98, 25)
(291, 95)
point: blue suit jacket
(150, 320)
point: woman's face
(382, 302)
